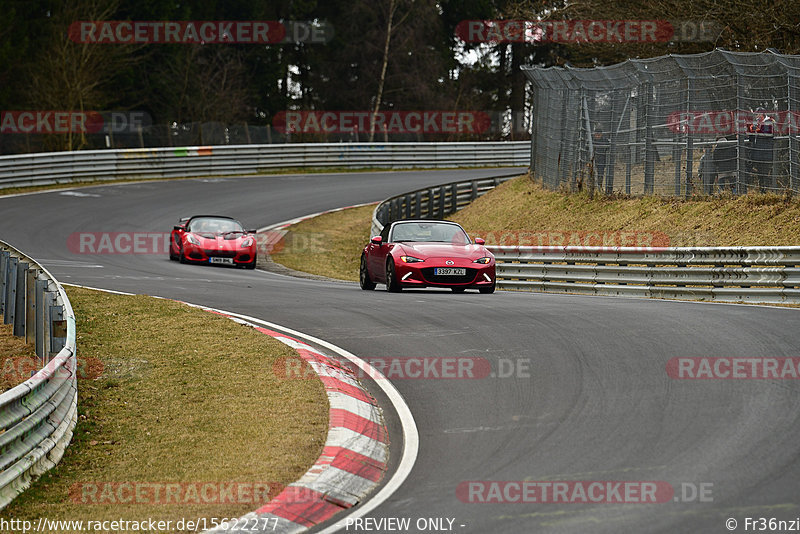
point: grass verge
(182, 396)
(521, 211)
(522, 205)
(327, 245)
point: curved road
(594, 402)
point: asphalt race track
(592, 399)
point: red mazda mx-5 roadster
(426, 253)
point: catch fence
(675, 125)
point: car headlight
(484, 260)
(192, 239)
(410, 259)
(247, 242)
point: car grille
(430, 277)
(220, 253)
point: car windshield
(211, 225)
(432, 232)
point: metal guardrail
(38, 416)
(67, 167)
(434, 202)
(722, 274)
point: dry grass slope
(184, 396)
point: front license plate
(449, 271)
(227, 261)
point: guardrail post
(474, 190)
(38, 416)
(58, 330)
(49, 300)
(441, 202)
(453, 198)
(431, 206)
(407, 200)
(3, 267)
(30, 306)
(41, 286)
(19, 301)
(418, 205)
(11, 290)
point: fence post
(431, 206)
(19, 301)
(649, 155)
(58, 330)
(41, 286)
(689, 141)
(30, 306)
(11, 290)
(676, 160)
(794, 145)
(418, 205)
(47, 332)
(742, 172)
(441, 202)
(3, 267)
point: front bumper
(423, 275)
(197, 254)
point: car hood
(220, 240)
(443, 250)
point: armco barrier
(67, 167)
(722, 274)
(433, 202)
(38, 416)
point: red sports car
(213, 239)
(426, 253)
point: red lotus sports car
(426, 253)
(213, 239)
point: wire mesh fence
(675, 125)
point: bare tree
(73, 76)
(390, 27)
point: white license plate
(226, 261)
(449, 271)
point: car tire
(392, 284)
(172, 255)
(252, 264)
(364, 279)
(181, 257)
(487, 290)
(457, 289)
